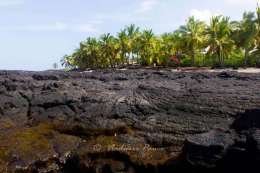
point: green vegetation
(30, 144)
(221, 43)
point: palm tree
(67, 61)
(219, 43)
(258, 26)
(93, 52)
(110, 49)
(87, 54)
(79, 59)
(123, 45)
(193, 35)
(218, 40)
(167, 48)
(147, 41)
(245, 34)
(256, 51)
(132, 35)
(179, 44)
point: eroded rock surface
(129, 121)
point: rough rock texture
(129, 121)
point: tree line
(221, 43)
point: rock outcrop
(129, 121)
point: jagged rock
(253, 143)
(207, 149)
(133, 120)
(247, 120)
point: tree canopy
(222, 43)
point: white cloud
(56, 27)
(242, 2)
(126, 17)
(7, 3)
(89, 28)
(147, 5)
(133, 16)
(96, 22)
(203, 15)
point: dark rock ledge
(129, 121)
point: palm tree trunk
(132, 58)
(219, 58)
(128, 58)
(193, 57)
(222, 59)
(246, 57)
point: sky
(34, 34)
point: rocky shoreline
(136, 120)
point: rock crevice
(129, 121)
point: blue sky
(35, 33)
